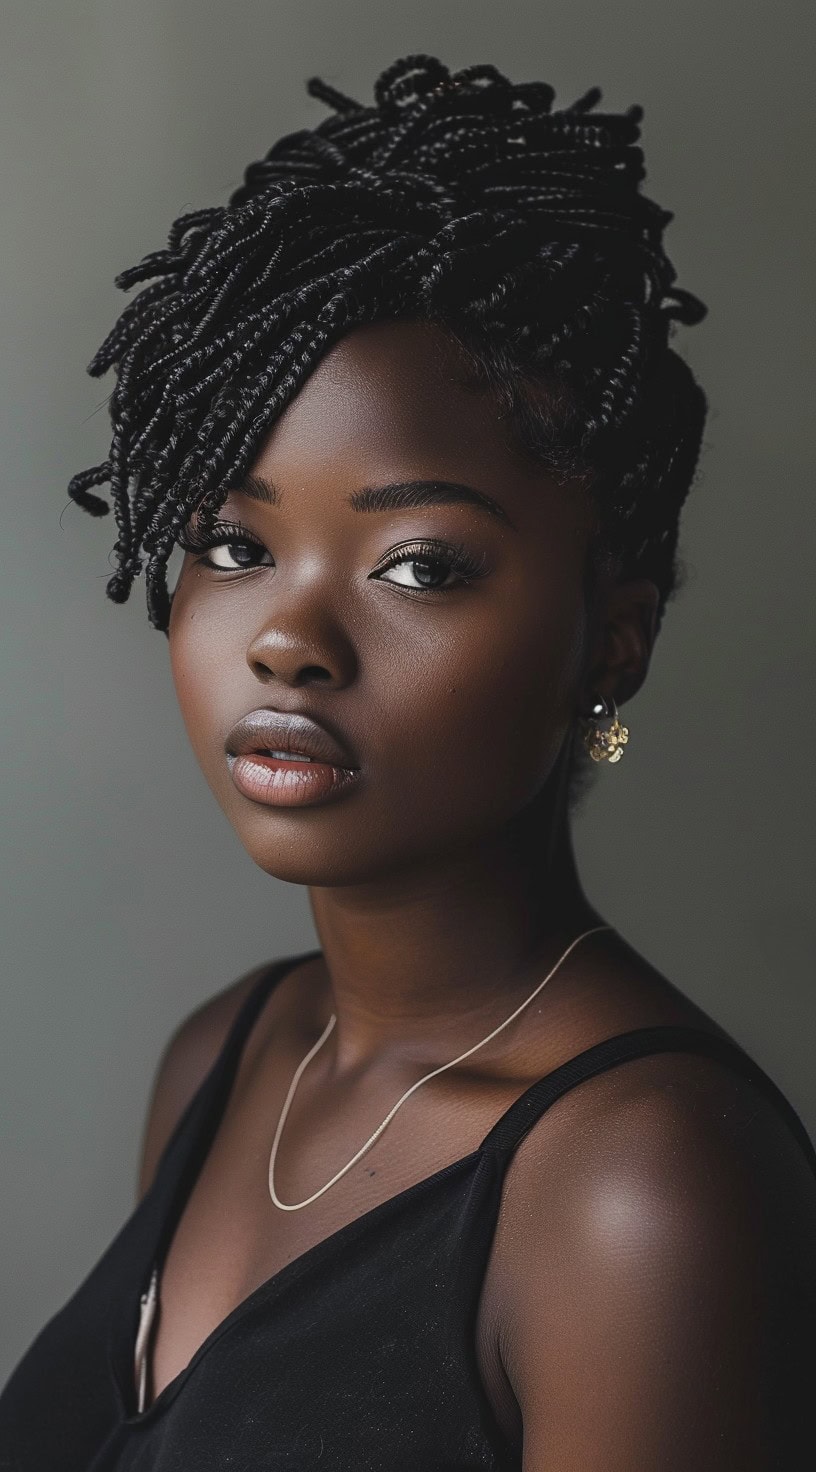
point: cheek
(209, 682)
(474, 719)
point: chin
(314, 869)
(330, 860)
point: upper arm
(185, 1061)
(661, 1286)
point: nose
(303, 644)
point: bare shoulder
(655, 1256)
(186, 1059)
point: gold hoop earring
(605, 742)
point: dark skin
(444, 887)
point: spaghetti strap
(637, 1043)
(208, 1099)
(257, 995)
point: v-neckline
(210, 1102)
(342, 1237)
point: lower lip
(284, 784)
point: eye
(432, 567)
(227, 539)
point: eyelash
(451, 555)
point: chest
(381, 1248)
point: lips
(264, 731)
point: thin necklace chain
(296, 1205)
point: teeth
(291, 756)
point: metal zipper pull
(148, 1301)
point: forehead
(386, 392)
(391, 402)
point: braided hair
(460, 199)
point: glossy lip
(277, 730)
(327, 769)
(288, 784)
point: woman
(472, 1185)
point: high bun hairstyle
(460, 199)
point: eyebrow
(400, 495)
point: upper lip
(277, 730)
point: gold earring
(605, 743)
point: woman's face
(442, 644)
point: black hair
(460, 199)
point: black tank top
(357, 1356)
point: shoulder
(186, 1059)
(655, 1257)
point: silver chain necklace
(296, 1205)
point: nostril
(299, 675)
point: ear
(621, 641)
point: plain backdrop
(126, 897)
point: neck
(422, 962)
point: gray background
(126, 897)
